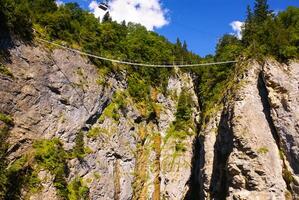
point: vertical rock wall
(249, 147)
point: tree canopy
(267, 34)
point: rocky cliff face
(58, 94)
(248, 150)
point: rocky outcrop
(175, 164)
(129, 154)
(52, 94)
(133, 153)
(282, 83)
(254, 163)
(243, 145)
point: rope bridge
(132, 63)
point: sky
(199, 22)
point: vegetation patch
(264, 34)
(263, 150)
(287, 176)
(97, 175)
(22, 175)
(119, 101)
(6, 119)
(5, 71)
(184, 108)
(121, 98)
(96, 132)
(50, 155)
(79, 148)
(111, 111)
(139, 185)
(103, 72)
(157, 165)
(5, 181)
(77, 190)
(88, 150)
(183, 126)
(157, 108)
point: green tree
(249, 29)
(255, 33)
(15, 19)
(228, 48)
(283, 39)
(107, 18)
(3, 163)
(261, 11)
(79, 148)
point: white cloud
(237, 28)
(149, 13)
(59, 2)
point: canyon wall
(247, 150)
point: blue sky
(200, 22)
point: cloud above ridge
(149, 13)
(59, 2)
(237, 28)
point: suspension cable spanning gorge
(132, 63)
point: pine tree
(254, 25)
(185, 52)
(107, 18)
(248, 27)
(185, 48)
(249, 15)
(178, 43)
(261, 11)
(178, 51)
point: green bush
(21, 176)
(183, 126)
(179, 135)
(263, 150)
(77, 191)
(111, 111)
(4, 131)
(184, 108)
(138, 88)
(50, 155)
(180, 147)
(97, 131)
(5, 71)
(6, 119)
(79, 149)
(94, 132)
